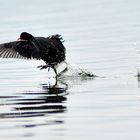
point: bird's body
(50, 49)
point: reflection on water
(34, 104)
(23, 112)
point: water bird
(49, 49)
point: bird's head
(24, 36)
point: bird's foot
(52, 65)
(44, 67)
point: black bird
(50, 49)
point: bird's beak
(19, 39)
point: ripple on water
(32, 109)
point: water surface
(101, 36)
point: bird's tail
(57, 37)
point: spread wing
(19, 49)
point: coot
(50, 49)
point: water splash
(73, 70)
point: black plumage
(50, 49)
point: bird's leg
(55, 73)
(49, 66)
(55, 70)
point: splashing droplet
(73, 70)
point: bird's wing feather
(19, 49)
